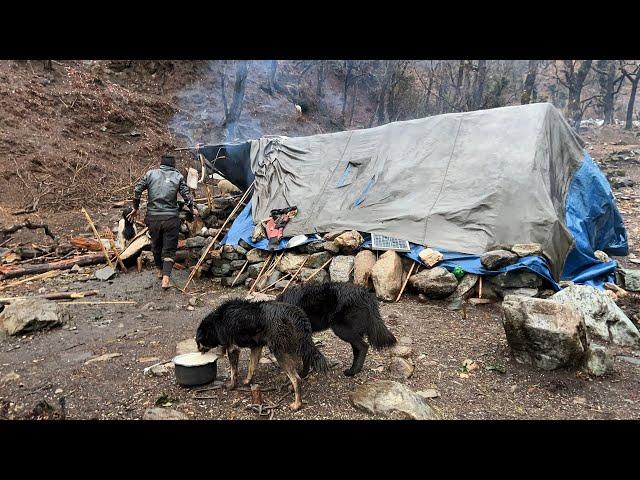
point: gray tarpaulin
(460, 182)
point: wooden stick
(296, 274)
(119, 302)
(209, 198)
(42, 276)
(53, 296)
(206, 252)
(318, 270)
(480, 287)
(95, 232)
(269, 286)
(240, 273)
(260, 274)
(113, 247)
(274, 264)
(406, 280)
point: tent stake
(406, 280)
(318, 270)
(295, 274)
(240, 273)
(260, 274)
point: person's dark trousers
(164, 237)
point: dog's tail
(313, 356)
(379, 335)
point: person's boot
(166, 282)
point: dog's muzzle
(202, 348)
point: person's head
(168, 160)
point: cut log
(135, 247)
(26, 224)
(19, 271)
(86, 243)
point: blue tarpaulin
(591, 216)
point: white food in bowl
(195, 359)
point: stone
(340, 268)
(195, 242)
(281, 284)
(237, 264)
(31, 314)
(400, 350)
(254, 270)
(349, 242)
(527, 249)
(516, 279)
(232, 256)
(600, 255)
(270, 280)
(400, 367)
(527, 292)
(497, 259)
(258, 233)
(10, 377)
(331, 247)
(245, 245)
(320, 277)
(630, 279)
(188, 345)
(255, 255)
(363, 264)
(622, 182)
(386, 275)
(429, 393)
(389, 398)
(159, 370)
(228, 281)
(313, 247)
(103, 358)
(75, 268)
(544, 333)
(465, 287)
(430, 257)
(333, 235)
(291, 262)
(436, 282)
(226, 187)
(597, 360)
(604, 319)
(104, 273)
(158, 413)
(317, 260)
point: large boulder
(341, 268)
(598, 360)
(389, 398)
(291, 262)
(497, 259)
(465, 287)
(544, 333)
(363, 264)
(30, 314)
(604, 319)
(436, 282)
(158, 413)
(516, 279)
(320, 277)
(630, 279)
(254, 270)
(387, 276)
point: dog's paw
(349, 373)
(295, 406)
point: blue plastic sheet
(591, 216)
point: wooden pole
(406, 280)
(42, 276)
(318, 270)
(113, 247)
(206, 252)
(480, 287)
(295, 274)
(95, 232)
(240, 273)
(260, 274)
(269, 286)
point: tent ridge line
(453, 148)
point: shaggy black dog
(129, 229)
(284, 328)
(351, 311)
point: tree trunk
(632, 98)
(348, 65)
(238, 99)
(384, 86)
(12, 271)
(273, 70)
(575, 82)
(223, 84)
(529, 82)
(607, 78)
(320, 84)
(353, 102)
(480, 79)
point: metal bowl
(195, 368)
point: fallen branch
(19, 271)
(27, 224)
(41, 276)
(86, 243)
(53, 296)
(109, 302)
(95, 232)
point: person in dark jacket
(163, 220)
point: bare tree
(223, 88)
(606, 70)
(320, 82)
(232, 117)
(529, 82)
(632, 73)
(478, 84)
(574, 76)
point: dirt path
(147, 332)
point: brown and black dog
(284, 328)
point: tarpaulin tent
(457, 182)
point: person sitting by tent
(163, 220)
